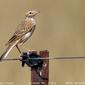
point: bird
(23, 32)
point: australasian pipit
(22, 34)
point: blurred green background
(60, 29)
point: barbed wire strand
(48, 58)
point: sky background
(60, 29)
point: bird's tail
(7, 51)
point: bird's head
(31, 13)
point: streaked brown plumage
(22, 34)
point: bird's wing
(22, 29)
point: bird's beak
(38, 12)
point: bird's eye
(30, 13)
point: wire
(58, 58)
(48, 58)
(9, 59)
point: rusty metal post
(35, 78)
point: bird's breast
(30, 23)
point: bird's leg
(18, 48)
